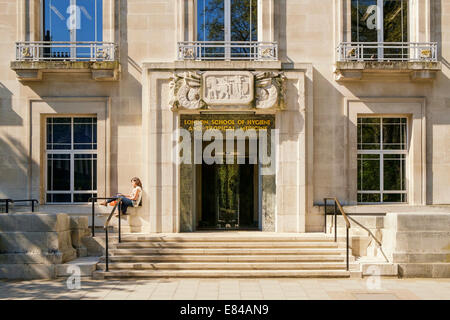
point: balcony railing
(387, 51)
(222, 50)
(65, 51)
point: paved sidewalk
(231, 289)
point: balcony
(388, 60)
(227, 51)
(33, 58)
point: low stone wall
(419, 243)
(32, 244)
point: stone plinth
(419, 243)
(32, 243)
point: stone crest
(185, 91)
(270, 90)
(194, 90)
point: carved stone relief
(228, 88)
(195, 90)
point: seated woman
(133, 199)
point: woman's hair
(138, 181)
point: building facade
(343, 98)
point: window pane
(395, 21)
(368, 172)
(83, 197)
(58, 172)
(90, 23)
(394, 197)
(244, 20)
(56, 25)
(394, 133)
(83, 171)
(59, 133)
(364, 21)
(369, 132)
(58, 197)
(369, 197)
(394, 172)
(211, 25)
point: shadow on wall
(8, 117)
(14, 168)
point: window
(71, 152)
(382, 152)
(72, 21)
(227, 21)
(380, 21)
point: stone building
(93, 93)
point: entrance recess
(228, 197)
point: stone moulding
(195, 90)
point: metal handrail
(7, 201)
(106, 225)
(118, 205)
(92, 200)
(379, 243)
(65, 51)
(388, 51)
(347, 218)
(337, 204)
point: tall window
(380, 21)
(72, 21)
(228, 21)
(382, 151)
(71, 152)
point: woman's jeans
(125, 203)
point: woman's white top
(133, 194)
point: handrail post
(346, 251)
(93, 218)
(335, 221)
(106, 250)
(32, 205)
(325, 214)
(7, 206)
(120, 224)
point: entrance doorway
(229, 197)
(228, 193)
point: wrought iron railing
(65, 51)
(224, 50)
(388, 51)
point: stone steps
(224, 255)
(232, 237)
(228, 258)
(226, 245)
(226, 266)
(228, 251)
(120, 274)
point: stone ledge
(389, 70)
(34, 70)
(86, 267)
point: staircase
(226, 255)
